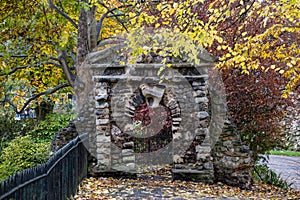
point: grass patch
(284, 153)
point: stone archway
(113, 113)
(128, 95)
(155, 115)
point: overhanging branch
(27, 66)
(47, 92)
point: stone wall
(63, 136)
(232, 159)
(125, 105)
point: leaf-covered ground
(158, 185)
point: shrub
(47, 128)
(22, 153)
(10, 127)
(257, 108)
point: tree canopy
(43, 43)
(248, 35)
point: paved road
(288, 167)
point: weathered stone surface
(154, 93)
(199, 93)
(232, 163)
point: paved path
(288, 167)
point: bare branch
(62, 13)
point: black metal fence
(57, 179)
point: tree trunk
(86, 42)
(82, 38)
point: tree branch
(241, 16)
(26, 55)
(27, 66)
(13, 70)
(62, 13)
(47, 92)
(15, 56)
(69, 75)
(105, 15)
(9, 102)
(115, 15)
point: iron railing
(57, 179)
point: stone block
(177, 135)
(128, 159)
(201, 100)
(203, 149)
(127, 152)
(208, 166)
(103, 147)
(115, 156)
(175, 128)
(115, 162)
(102, 121)
(103, 162)
(204, 123)
(101, 105)
(102, 129)
(130, 166)
(101, 97)
(176, 119)
(128, 144)
(202, 115)
(100, 88)
(199, 93)
(103, 139)
(202, 131)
